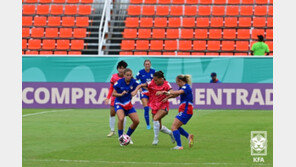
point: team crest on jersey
(184, 87)
(131, 87)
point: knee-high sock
(177, 137)
(165, 130)
(124, 122)
(112, 123)
(130, 131)
(156, 128)
(183, 132)
(146, 115)
(120, 132)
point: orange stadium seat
(160, 22)
(216, 21)
(60, 53)
(192, 2)
(188, 22)
(154, 53)
(128, 45)
(162, 10)
(271, 1)
(247, 2)
(219, 2)
(242, 45)
(230, 22)
(244, 21)
(164, 1)
(66, 32)
(25, 32)
(134, 10)
(218, 10)
(212, 54)
(24, 44)
(204, 10)
(168, 53)
(79, 33)
(269, 33)
(190, 10)
(77, 44)
(232, 10)
(176, 10)
(256, 32)
(54, 21)
(144, 33)
(40, 21)
(229, 33)
(130, 33)
(45, 53)
(270, 45)
(198, 53)
(63, 44)
(227, 45)
(206, 2)
(259, 21)
(215, 33)
(70, 9)
(28, 9)
(37, 32)
(185, 45)
(174, 22)
(199, 45)
(87, 1)
(142, 44)
(31, 52)
(156, 44)
(73, 1)
(56, 10)
(51, 32)
(84, 10)
(172, 33)
(213, 45)
(136, 1)
(246, 10)
(42, 9)
(150, 1)
(260, 10)
(45, 1)
(158, 33)
(27, 20)
(261, 1)
(186, 33)
(202, 22)
(243, 34)
(68, 21)
(270, 10)
(34, 44)
(48, 44)
(146, 22)
(31, 1)
(126, 53)
(269, 22)
(148, 11)
(140, 53)
(82, 21)
(226, 54)
(178, 1)
(171, 45)
(59, 1)
(233, 2)
(201, 33)
(183, 53)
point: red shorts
(162, 107)
(189, 110)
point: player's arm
(267, 50)
(109, 93)
(140, 86)
(174, 93)
(116, 94)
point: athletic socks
(112, 123)
(156, 128)
(165, 130)
(120, 132)
(146, 115)
(177, 137)
(124, 122)
(130, 131)
(183, 132)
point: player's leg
(112, 121)
(156, 126)
(135, 119)
(176, 125)
(146, 111)
(158, 116)
(120, 115)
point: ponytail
(185, 78)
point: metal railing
(103, 29)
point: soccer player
(160, 108)
(121, 66)
(145, 75)
(214, 78)
(123, 89)
(185, 109)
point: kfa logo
(258, 143)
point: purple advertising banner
(92, 95)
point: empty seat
(227, 45)
(56, 9)
(176, 10)
(270, 45)
(27, 21)
(269, 33)
(261, 1)
(190, 10)
(188, 22)
(233, 2)
(232, 10)
(150, 1)
(148, 11)
(45, 53)
(24, 44)
(172, 33)
(246, 10)
(169, 53)
(204, 10)
(31, 52)
(158, 33)
(260, 10)
(171, 45)
(140, 53)
(247, 2)
(199, 45)
(215, 33)
(201, 33)
(219, 2)
(213, 45)
(218, 10)
(45, 1)
(226, 54)
(269, 22)
(192, 2)
(185, 45)
(60, 52)
(132, 22)
(212, 54)
(156, 44)
(144, 33)
(84, 10)
(79, 33)
(271, 1)
(42, 9)
(154, 53)
(142, 44)
(198, 53)
(242, 45)
(174, 22)
(128, 45)
(87, 1)
(70, 9)
(164, 1)
(183, 53)
(82, 21)
(243, 34)
(51, 32)
(136, 1)
(256, 32)
(160, 22)
(134, 10)
(68, 21)
(244, 22)
(77, 44)
(37, 32)
(31, 1)
(65, 32)
(40, 21)
(259, 21)
(63, 44)
(178, 1)
(130, 33)
(205, 2)
(28, 9)
(230, 22)
(162, 10)
(59, 1)
(216, 21)
(126, 53)
(54, 21)
(48, 44)
(202, 22)
(73, 1)
(25, 32)
(186, 33)
(270, 10)
(34, 44)
(229, 33)
(146, 22)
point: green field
(77, 138)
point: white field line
(44, 112)
(143, 163)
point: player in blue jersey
(145, 75)
(185, 109)
(124, 91)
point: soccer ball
(124, 140)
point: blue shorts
(143, 96)
(126, 112)
(184, 117)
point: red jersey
(155, 102)
(113, 80)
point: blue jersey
(187, 96)
(145, 77)
(120, 86)
(217, 81)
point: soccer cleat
(172, 138)
(155, 141)
(148, 127)
(190, 138)
(111, 134)
(131, 142)
(178, 148)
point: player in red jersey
(121, 66)
(160, 108)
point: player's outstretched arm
(139, 87)
(115, 94)
(174, 93)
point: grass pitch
(77, 138)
